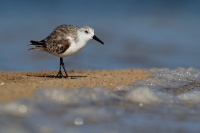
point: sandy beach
(16, 85)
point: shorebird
(64, 41)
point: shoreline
(17, 85)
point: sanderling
(65, 40)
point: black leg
(63, 66)
(59, 72)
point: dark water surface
(136, 33)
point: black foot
(59, 75)
(65, 70)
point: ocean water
(150, 105)
(137, 34)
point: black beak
(97, 39)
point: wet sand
(15, 85)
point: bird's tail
(38, 45)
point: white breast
(83, 39)
(74, 48)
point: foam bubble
(143, 95)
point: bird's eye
(86, 31)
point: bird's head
(87, 33)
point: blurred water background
(137, 34)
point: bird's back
(57, 42)
(61, 32)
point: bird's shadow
(57, 77)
